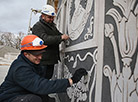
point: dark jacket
(51, 37)
(24, 77)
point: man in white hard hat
(45, 28)
(27, 81)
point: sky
(15, 14)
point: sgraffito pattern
(116, 80)
(123, 35)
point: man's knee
(28, 98)
(35, 98)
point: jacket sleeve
(48, 39)
(32, 82)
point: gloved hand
(78, 74)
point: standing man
(46, 30)
(26, 81)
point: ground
(3, 72)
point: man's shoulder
(37, 23)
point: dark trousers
(33, 98)
(49, 70)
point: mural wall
(104, 41)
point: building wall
(104, 41)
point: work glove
(78, 74)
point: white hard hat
(48, 10)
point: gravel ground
(3, 72)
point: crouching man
(26, 81)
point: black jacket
(51, 37)
(24, 77)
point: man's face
(33, 58)
(47, 18)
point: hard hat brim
(49, 14)
(36, 52)
(34, 47)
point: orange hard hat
(32, 42)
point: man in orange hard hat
(26, 80)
